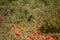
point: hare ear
(30, 18)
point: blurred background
(27, 15)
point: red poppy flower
(56, 35)
(33, 21)
(2, 21)
(13, 25)
(27, 37)
(44, 17)
(36, 26)
(21, 24)
(43, 37)
(32, 37)
(36, 23)
(17, 32)
(49, 38)
(55, 13)
(7, 26)
(36, 32)
(31, 31)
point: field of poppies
(29, 19)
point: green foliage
(21, 1)
(16, 11)
(51, 27)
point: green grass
(18, 11)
